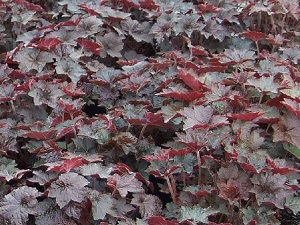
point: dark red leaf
(71, 90)
(89, 45)
(292, 105)
(156, 119)
(181, 93)
(48, 43)
(207, 7)
(191, 65)
(129, 62)
(26, 86)
(283, 170)
(18, 74)
(254, 35)
(252, 222)
(206, 69)
(198, 51)
(246, 116)
(149, 4)
(276, 101)
(92, 12)
(188, 96)
(179, 152)
(192, 81)
(65, 131)
(158, 220)
(40, 135)
(212, 223)
(69, 164)
(161, 156)
(30, 6)
(248, 167)
(159, 66)
(122, 168)
(69, 23)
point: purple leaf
(46, 93)
(212, 28)
(234, 183)
(73, 209)
(163, 27)
(271, 188)
(139, 31)
(33, 59)
(122, 207)
(19, 204)
(89, 25)
(70, 68)
(149, 205)
(112, 44)
(124, 184)
(187, 24)
(291, 54)
(68, 187)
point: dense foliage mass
(149, 112)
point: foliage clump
(149, 112)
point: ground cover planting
(182, 112)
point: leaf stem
(259, 20)
(260, 98)
(173, 183)
(231, 208)
(273, 24)
(142, 131)
(257, 47)
(282, 23)
(13, 106)
(199, 168)
(170, 188)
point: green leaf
(265, 84)
(9, 170)
(196, 213)
(102, 205)
(187, 161)
(172, 211)
(293, 203)
(292, 149)
(262, 216)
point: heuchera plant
(149, 112)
